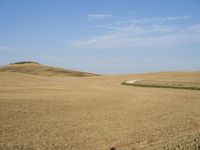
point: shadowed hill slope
(42, 70)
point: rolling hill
(42, 70)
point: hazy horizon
(106, 37)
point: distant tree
(24, 62)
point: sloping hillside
(42, 70)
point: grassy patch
(137, 84)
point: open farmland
(97, 112)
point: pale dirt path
(132, 81)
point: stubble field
(39, 112)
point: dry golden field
(97, 112)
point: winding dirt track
(132, 81)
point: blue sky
(102, 36)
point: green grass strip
(161, 86)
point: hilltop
(34, 68)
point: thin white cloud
(151, 32)
(143, 21)
(164, 19)
(99, 16)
